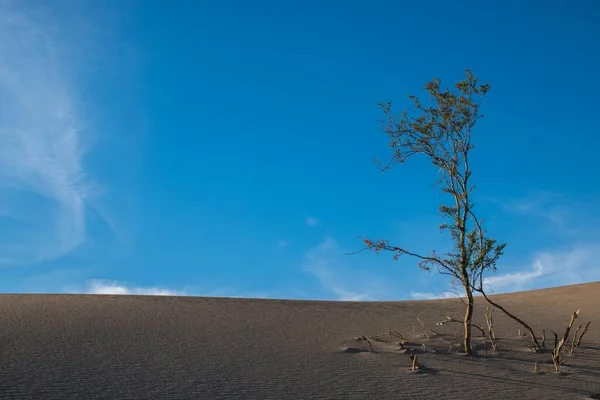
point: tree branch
(380, 245)
(514, 317)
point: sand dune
(146, 347)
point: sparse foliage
(442, 132)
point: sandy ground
(146, 347)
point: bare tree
(442, 132)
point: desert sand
(151, 347)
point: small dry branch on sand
(363, 339)
(489, 314)
(543, 338)
(559, 345)
(509, 314)
(425, 333)
(391, 335)
(397, 335)
(450, 319)
(582, 333)
(574, 340)
(450, 346)
(415, 362)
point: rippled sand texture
(145, 347)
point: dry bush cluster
(436, 341)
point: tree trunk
(468, 318)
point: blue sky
(225, 148)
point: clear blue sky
(225, 148)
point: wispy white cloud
(516, 280)
(541, 203)
(43, 183)
(109, 286)
(572, 254)
(280, 245)
(102, 286)
(325, 263)
(431, 296)
(561, 211)
(578, 263)
(312, 221)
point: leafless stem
(415, 362)
(583, 333)
(505, 311)
(423, 327)
(391, 334)
(450, 345)
(365, 339)
(574, 340)
(558, 346)
(449, 319)
(489, 314)
(543, 338)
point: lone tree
(441, 131)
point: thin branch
(558, 346)
(379, 245)
(582, 333)
(514, 317)
(449, 319)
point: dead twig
(391, 334)
(449, 319)
(574, 340)
(582, 333)
(558, 346)
(363, 339)
(505, 311)
(425, 333)
(415, 362)
(543, 338)
(489, 319)
(450, 346)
